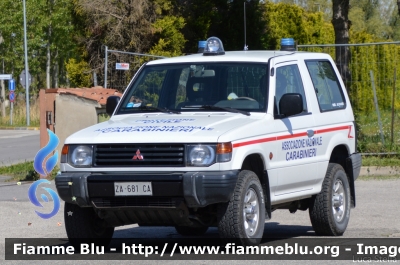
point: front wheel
(242, 218)
(84, 226)
(330, 209)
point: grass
(19, 114)
(379, 177)
(369, 136)
(24, 172)
(369, 140)
(381, 161)
(103, 117)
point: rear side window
(326, 85)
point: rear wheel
(84, 226)
(242, 218)
(330, 209)
(191, 231)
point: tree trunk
(56, 70)
(48, 62)
(341, 25)
(3, 99)
(398, 6)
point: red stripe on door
(258, 141)
(289, 136)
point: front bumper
(196, 189)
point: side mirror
(291, 104)
(112, 102)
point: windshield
(177, 88)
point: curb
(13, 183)
(20, 128)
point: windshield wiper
(212, 107)
(164, 110)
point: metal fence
(121, 66)
(379, 62)
(372, 65)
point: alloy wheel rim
(338, 200)
(251, 211)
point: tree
(371, 16)
(292, 21)
(232, 27)
(168, 38)
(398, 6)
(78, 73)
(137, 26)
(324, 6)
(124, 25)
(395, 24)
(223, 19)
(341, 25)
(49, 31)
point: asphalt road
(18, 146)
(377, 215)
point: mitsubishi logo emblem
(138, 156)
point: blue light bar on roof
(202, 44)
(287, 44)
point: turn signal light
(64, 150)
(224, 148)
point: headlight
(80, 155)
(200, 155)
(205, 155)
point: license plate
(133, 189)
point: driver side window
(288, 80)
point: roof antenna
(244, 12)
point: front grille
(140, 155)
(133, 201)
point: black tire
(232, 218)
(84, 226)
(329, 218)
(191, 231)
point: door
(296, 147)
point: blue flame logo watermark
(44, 152)
(35, 201)
(44, 167)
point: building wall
(69, 114)
(72, 114)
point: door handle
(310, 133)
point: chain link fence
(121, 66)
(379, 62)
(373, 65)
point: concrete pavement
(18, 146)
(375, 216)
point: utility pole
(2, 88)
(105, 66)
(3, 96)
(26, 69)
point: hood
(163, 128)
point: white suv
(216, 139)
